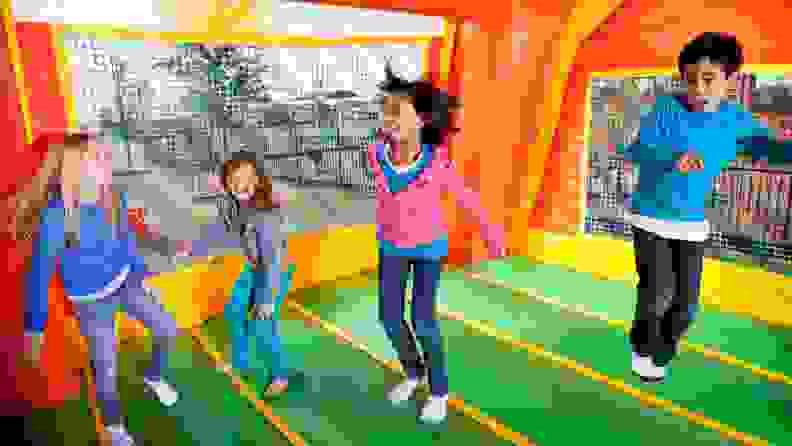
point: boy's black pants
(669, 281)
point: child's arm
(151, 237)
(271, 249)
(759, 141)
(271, 245)
(214, 235)
(375, 167)
(46, 247)
(468, 199)
(651, 144)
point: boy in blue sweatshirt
(682, 146)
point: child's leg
(427, 330)
(653, 258)
(279, 370)
(97, 325)
(265, 331)
(392, 282)
(142, 303)
(237, 318)
(688, 263)
(266, 337)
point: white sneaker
(166, 394)
(404, 390)
(435, 410)
(119, 436)
(644, 367)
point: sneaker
(645, 368)
(165, 393)
(404, 390)
(277, 387)
(435, 410)
(119, 436)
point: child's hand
(214, 183)
(281, 199)
(184, 248)
(690, 162)
(262, 312)
(496, 250)
(32, 348)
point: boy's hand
(690, 162)
(262, 312)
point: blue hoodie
(98, 260)
(669, 131)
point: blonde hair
(34, 195)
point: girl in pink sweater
(411, 169)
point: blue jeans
(265, 333)
(393, 273)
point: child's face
(243, 180)
(706, 82)
(399, 117)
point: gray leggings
(97, 324)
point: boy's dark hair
(719, 48)
(432, 105)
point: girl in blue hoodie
(76, 221)
(682, 146)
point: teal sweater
(669, 131)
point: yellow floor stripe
(246, 391)
(645, 398)
(456, 403)
(709, 353)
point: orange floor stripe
(245, 390)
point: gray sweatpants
(97, 324)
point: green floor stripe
(340, 398)
(769, 347)
(530, 395)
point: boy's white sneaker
(404, 390)
(645, 368)
(435, 410)
(165, 393)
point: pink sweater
(414, 216)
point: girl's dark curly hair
(433, 106)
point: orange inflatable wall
(652, 33)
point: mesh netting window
(749, 207)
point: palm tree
(227, 80)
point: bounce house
(536, 340)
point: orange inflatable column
(62, 352)
(13, 384)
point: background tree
(226, 81)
